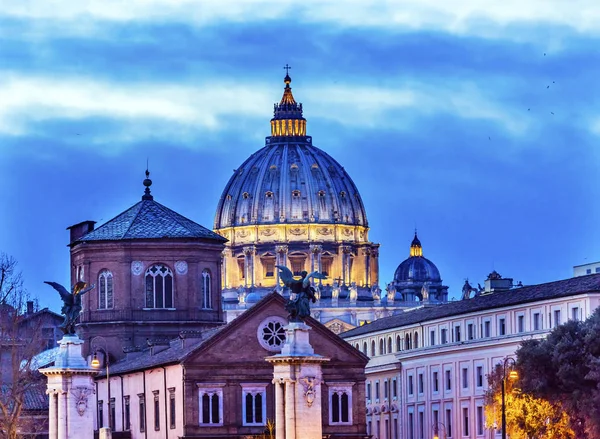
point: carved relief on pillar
(81, 398)
(346, 249)
(281, 248)
(375, 252)
(366, 251)
(309, 385)
(249, 250)
(316, 248)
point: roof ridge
(140, 204)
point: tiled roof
(34, 397)
(149, 220)
(499, 299)
(174, 353)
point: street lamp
(96, 364)
(436, 430)
(513, 375)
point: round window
(271, 333)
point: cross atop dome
(287, 115)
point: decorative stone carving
(268, 232)
(249, 250)
(309, 384)
(281, 248)
(316, 248)
(137, 267)
(81, 398)
(347, 232)
(336, 327)
(346, 249)
(181, 267)
(242, 233)
(324, 231)
(298, 231)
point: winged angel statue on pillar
(299, 307)
(71, 303)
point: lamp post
(96, 364)
(436, 430)
(513, 375)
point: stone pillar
(70, 388)
(300, 369)
(279, 411)
(290, 410)
(367, 254)
(52, 414)
(281, 259)
(315, 259)
(249, 252)
(224, 255)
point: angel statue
(71, 303)
(299, 308)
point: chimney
(79, 230)
(30, 307)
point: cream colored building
(428, 366)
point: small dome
(417, 269)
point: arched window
(206, 291)
(389, 345)
(159, 287)
(406, 342)
(372, 348)
(105, 290)
(365, 348)
(416, 339)
(398, 343)
(381, 347)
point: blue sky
(475, 121)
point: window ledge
(159, 309)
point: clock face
(181, 267)
(137, 267)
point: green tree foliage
(527, 417)
(564, 369)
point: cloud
(164, 109)
(453, 16)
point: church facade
(219, 384)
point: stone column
(290, 410)
(279, 410)
(224, 255)
(300, 369)
(249, 264)
(346, 252)
(62, 415)
(315, 258)
(70, 388)
(52, 415)
(367, 254)
(280, 254)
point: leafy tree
(527, 417)
(564, 369)
(20, 341)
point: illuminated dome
(289, 180)
(417, 278)
(416, 268)
(292, 204)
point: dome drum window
(245, 195)
(159, 287)
(105, 290)
(269, 194)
